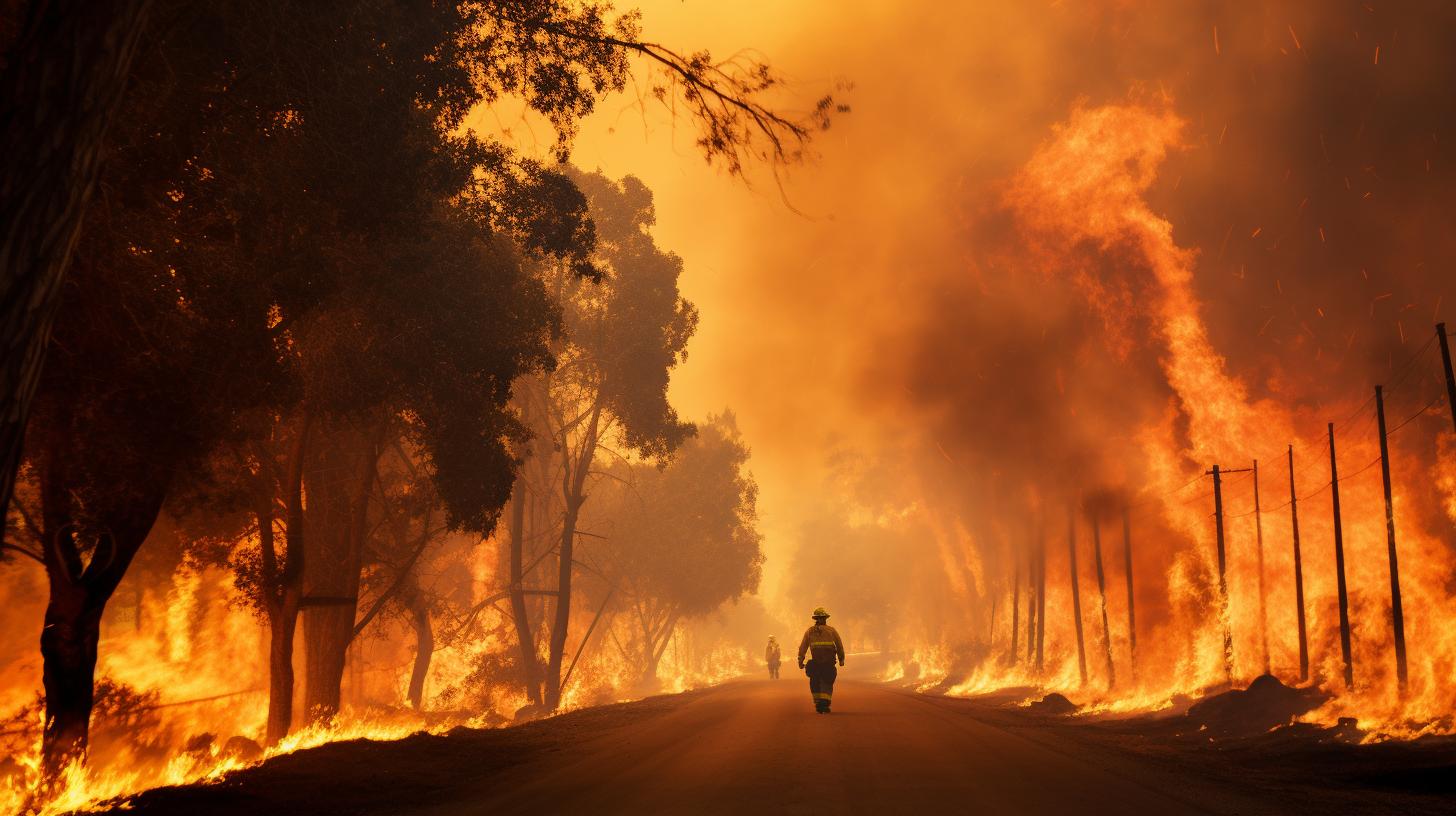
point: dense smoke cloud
(923, 315)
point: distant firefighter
(772, 656)
(823, 645)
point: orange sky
(708, 218)
(820, 328)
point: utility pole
(1031, 602)
(1259, 537)
(1298, 574)
(1450, 378)
(1131, 607)
(1015, 603)
(1397, 617)
(1076, 593)
(1102, 596)
(1040, 598)
(1223, 596)
(1340, 565)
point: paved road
(758, 747)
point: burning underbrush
(181, 695)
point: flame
(204, 655)
(1081, 200)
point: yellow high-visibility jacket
(822, 643)
(771, 654)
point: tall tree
(681, 540)
(250, 210)
(61, 84)
(623, 336)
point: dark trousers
(821, 681)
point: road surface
(760, 747)
(755, 746)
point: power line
(1422, 411)
(1365, 409)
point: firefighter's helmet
(820, 613)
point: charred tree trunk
(1040, 599)
(339, 487)
(283, 587)
(1015, 604)
(530, 666)
(1102, 598)
(78, 595)
(1076, 593)
(573, 484)
(424, 645)
(63, 81)
(68, 650)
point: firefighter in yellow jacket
(772, 656)
(823, 645)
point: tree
(131, 402)
(255, 237)
(61, 86)
(682, 540)
(622, 338)
(67, 71)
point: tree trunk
(283, 588)
(574, 483)
(282, 625)
(68, 650)
(340, 487)
(424, 647)
(530, 666)
(78, 596)
(63, 81)
(659, 647)
(563, 608)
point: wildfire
(1081, 203)
(198, 667)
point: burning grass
(181, 700)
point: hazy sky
(1309, 183)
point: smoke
(1062, 258)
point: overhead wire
(1365, 409)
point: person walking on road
(773, 657)
(823, 646)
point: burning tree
(271, 286)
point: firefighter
(773, 657)
(823, 645)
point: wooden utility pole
(1450, 378)
(1397, 617)
(1298, 574)
(1040, 598)
(1259, 537)
(1015, 603)
(1076, 593)
(1340, 565)
(1031, 599)
(1102, 596)
(1223, 596)
(1131, 607)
